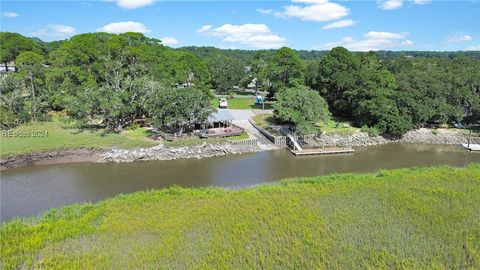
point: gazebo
(220, 118)
(219, 124)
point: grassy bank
(411, 218)
(333, 126)
(58, 136)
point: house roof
(220, 115)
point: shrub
(371, 131)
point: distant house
(8, 67)
(252, 84)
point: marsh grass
(425, 218)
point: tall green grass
(402, 219)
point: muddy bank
(51, 157)
(158, 152)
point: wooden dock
(322, 151)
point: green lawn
(242, 103)
(330, 127)
(402, 219)
(60, 137)
(265, 121)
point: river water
(32, 190)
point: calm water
(32, 190)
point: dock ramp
(294, 141)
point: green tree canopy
(178, 109)
(335, 78)
(12, 44)
(301, 106)
(226, 73)
(32, 73)
(284, 69)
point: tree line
(116, 79)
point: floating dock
(322, 151)
(472, 147)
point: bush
(371, 131)
(133, 126)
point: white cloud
(122, 27)
(458, 39)
(385, 35)
(253, 35)
(395, 4)
(55, 31)
(473, 48)
(340, 24)
(9, 14)
(169, 41)
(373, 41)
(314, 10)
(389, 4)
(204, 28)
(132, 4)
(265, 11)
(421, 2)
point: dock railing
(277, 140)
(246, 142)
(171, 137)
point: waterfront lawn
(62, 137)
(264, 120)
(242, 103)
(330, 127)
(402, 219)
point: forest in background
(114, 79)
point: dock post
(469, 136)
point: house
(8, 67)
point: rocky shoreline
(159, 152)
(419, 136)
(162, 153)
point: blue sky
(300, 24)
